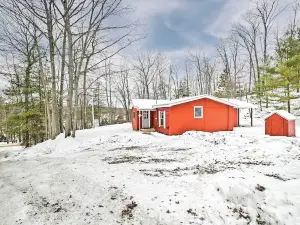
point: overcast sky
(174, 26)
(178, 24)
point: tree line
(51, 47)
(64, 64)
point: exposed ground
(112, 175)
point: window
(162, 119)
(198, 112)
(145, 115)
(133, 116)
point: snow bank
(118, 176)
(259, 199)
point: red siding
(134, 119)
(216, 117)
(231, 118)
(292, 129)
(276, 125)
(152, 117)
(155, 120)
(168, 116)
(236, 117)
(136, 122)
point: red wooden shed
(280, 123)
(198, 113)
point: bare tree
(161, 89)
(108, 88)
(175, 79)
(146, 69)
(226, 76)
(39, 13)
(266, 11)
(90, 43)
(62, 80)
(195, 59)
(209, 70)
(20, 40)
(121, 85)
(248, 35)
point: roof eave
(161, 106)
(194, 99)
(246, 107)
(145, 109)
(288, 119)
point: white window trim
(198, 117)
(165, 119)
(159, 117)
(149, 118)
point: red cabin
(143, 113)
(280, 123)
(198, 113)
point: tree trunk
(47, 109)
(76, 85)
(26, 95)
(85, 93)
(62, 78)
(70, 71)
(289, 98)
(298, 83)
(258, 75)
(53, 73)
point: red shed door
(277, 126)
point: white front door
(145, 119)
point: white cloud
(147, 8)
(231, 12)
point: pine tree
(284, 78)
(225, 86)
(26, 116)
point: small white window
(198, 112)
(162, 119)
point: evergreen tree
(225, 86)
(284, 78)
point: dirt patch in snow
(128, 211)
(127, 148)
(250, 163)
(276, 176)
(182, 171)
(260, 188)
(135, 159)
(43, 208)
(121, 160)
(155, 160)
(160, 149)
(242, 214)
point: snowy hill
(113, 175)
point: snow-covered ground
(113, 175)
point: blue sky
(176, 25)
(182, 27)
